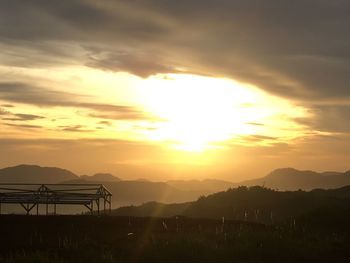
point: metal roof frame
(30, 196)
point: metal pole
(47, 202)
(104, 205)
(110, 204)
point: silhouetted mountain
(256, 204)
(35, 174)
(101, 177)
(206, 186)
(292, 179)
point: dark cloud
(23, 117)
(258, 138)
(296, 49)
(25, 126)
(33, 95)
(9, 116)
(106, 123)
(28, 94)
(328, 118)
(142, 65)
(75, 128)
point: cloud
(26, 126)
(75, 128)
(106, 123)
(23, 117)
(142, 65)
(9, 116)
(328, 118)
(294, 49)
(297, 49)
(28, 94)
(17, 92)
(258, 138)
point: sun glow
(199, 112)
(185, 112)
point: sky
(167, 89)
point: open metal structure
(95, 197)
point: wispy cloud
(23, 117)
(16, 92)
(26, 126)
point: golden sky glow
(189, 124)
(184, 112)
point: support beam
(104, 205)
(98, 206)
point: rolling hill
(293, 179)
(256, 204)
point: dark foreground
(124, 239)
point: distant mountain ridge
(101, 177)
(293, 179)
(136, 192)
(35, 174)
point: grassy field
(132, 239)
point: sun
(197, 112)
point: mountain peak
(290, 172)
(27, 173)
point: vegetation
(254, 204)
(306, 227)
(177, 239)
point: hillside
(293, 179)
(35, 174)
(256, 204)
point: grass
(124, 239)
